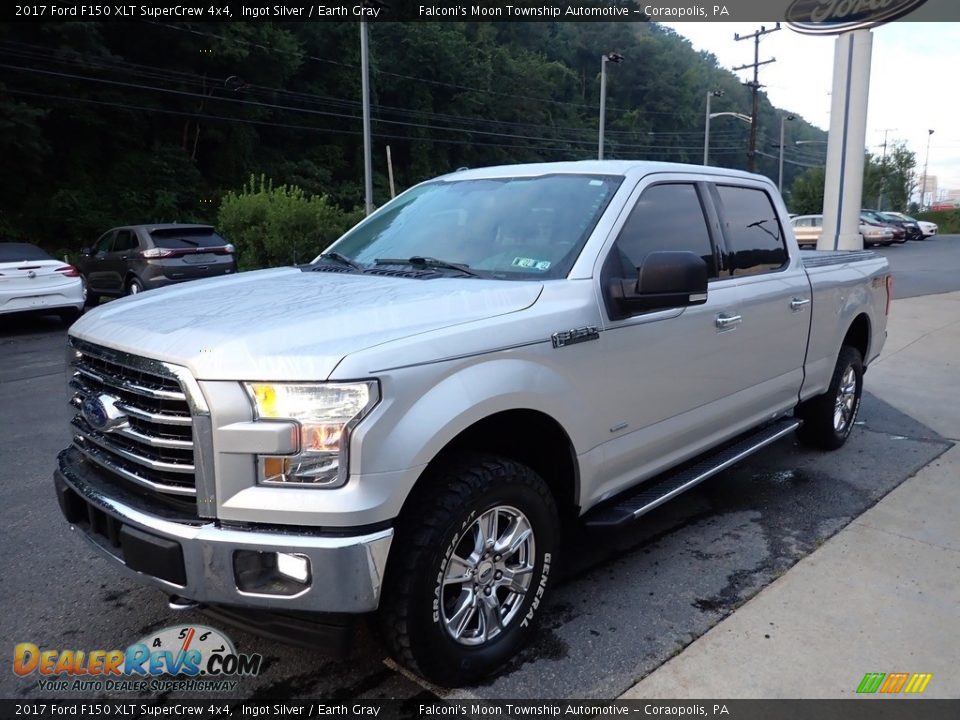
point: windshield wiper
(429, 262)
(342, 259)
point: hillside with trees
(111, 123)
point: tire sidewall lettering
(438, 585)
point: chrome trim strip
(121, 384)
(191, 389)
(203, 459)
(97, 439)
(153, 441)
(182, 420)
(97, 457)
(132, 410)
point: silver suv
(128, 260)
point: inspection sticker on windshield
(531, 263)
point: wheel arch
(528, 436)
(858, 336)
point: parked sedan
(33, 282)
(901, 233)
(128, 260)
(808, 228)
(927, 229)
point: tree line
(112, 123)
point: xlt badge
(572, 337)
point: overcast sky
(913, 82)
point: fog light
(295, 567)
(271, 573)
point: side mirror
(86, 251)
(666, 279)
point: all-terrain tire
(417, 620)
(829, 418)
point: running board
(654, 493)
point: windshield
(510, 228)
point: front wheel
(829, 418)
(469, 570)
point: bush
(273, 226)
(948, 221)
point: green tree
(282, 225)
(806, 193)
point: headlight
(326, 412)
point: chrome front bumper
(197, 560)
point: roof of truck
(594, 167)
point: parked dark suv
(131, 259)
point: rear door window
(125, 240)
(755, 240)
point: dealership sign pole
(846, 146)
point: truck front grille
(152, 445)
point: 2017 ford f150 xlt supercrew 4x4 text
(408, 426)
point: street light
(610, 57)
(706, 125)
(706, 139)
(926, 167)
(783, 120)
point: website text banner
(828, 13)
(888, 709)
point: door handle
(797, 303)
(725, 321)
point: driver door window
(666, 217)
(104, 243)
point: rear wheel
(134, 286)
(829, 418)
(469, 570)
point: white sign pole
(843, 191)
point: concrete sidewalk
(883, 595)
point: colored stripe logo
(893, 683)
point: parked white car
(33, 282)
(928, 229)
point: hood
(284, 324)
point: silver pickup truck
(410, 425)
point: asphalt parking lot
(628, 602)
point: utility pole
(365, 92)
(754, 86)
(926, 167)
(883, 169)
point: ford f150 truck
(408, 426)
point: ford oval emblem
(101, 412)
(834, 17)
(94, 412)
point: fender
(468, 392)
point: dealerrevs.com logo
(832, 17)
(182, 657)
